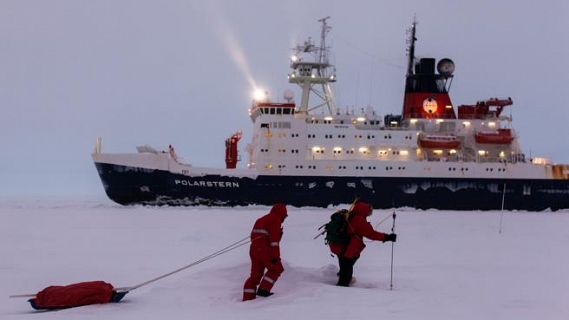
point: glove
(275, 260)
(390, 237)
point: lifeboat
(439, 142)
(500, 136)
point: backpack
(336, 231)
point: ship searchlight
(260, 95)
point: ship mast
(315, 74)
(411, 49)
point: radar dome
(445, 67)
(288, 95)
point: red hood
(362, 209)
(279, 210)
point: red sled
(76, 295)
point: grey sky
(162, 72)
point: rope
(224, 250)
(377, 225)
(382, 221)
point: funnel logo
(430, 105)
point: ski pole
(392, 245)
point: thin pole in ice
(502, 213)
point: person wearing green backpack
(346, 240)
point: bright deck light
(540, 160)
(259, 94)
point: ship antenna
(411, 46)
(314, 73)
(323, 58)
(323, 61)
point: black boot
(264, 293)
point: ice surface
(448, 265)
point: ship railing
(393, 128)
(490, 116)
(449, 158)
(422, 117)
(515, 158)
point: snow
(447, 265)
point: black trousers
(346, 270)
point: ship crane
(312, 71)
(482, 109)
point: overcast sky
(179, 72)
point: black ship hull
(130, 185)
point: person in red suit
(265, 253)
(358, 228)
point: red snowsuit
(358, 228)
(265, 252)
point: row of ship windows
(388, 168)
(283, 150)
(487, 169)
(322, 151)
(372, 122)
(277, 110)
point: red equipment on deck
(231, 156)
(483, 110)
(439, 142)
